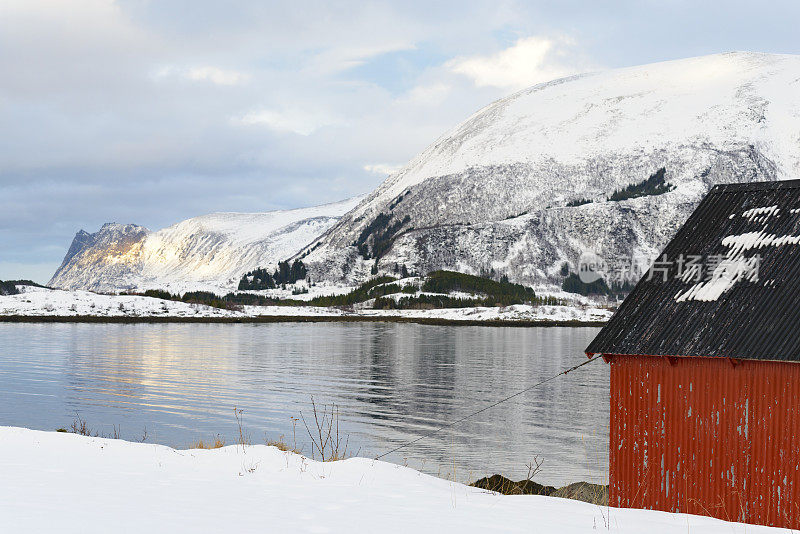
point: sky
(154, 111)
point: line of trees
(484, 292)
(654, 185)
(261, 278)
(573, 284)
(500, 292)
(8, 288)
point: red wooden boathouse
(705, 365)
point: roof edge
(756, 186)
(688, 357)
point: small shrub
(324, 433)
(80, 427)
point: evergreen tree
(654, 185)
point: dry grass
(81, 427)
(244, 438)
(322, 427)
(282, 445)
(218, 442)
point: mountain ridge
(519, 188)
(208, 252)
(493, 192)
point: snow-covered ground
(56, 302)
(57, 482)
(313, 291)
(517, 312)
(35, 301)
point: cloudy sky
(153, 111)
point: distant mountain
(208, 252)
(523, 185)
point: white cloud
(295, 121)
(341, 58)
(428, 94)
(206, 73)
(529, 61)
(216, 75)
(215, 104)
(382, 168)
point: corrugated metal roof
(747, 308)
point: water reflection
(391, 382)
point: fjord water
(391, 383)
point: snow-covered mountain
(207, 252)
(493, 193)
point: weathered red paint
(703, 436)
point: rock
(506, 486)
(579, 491)
(584, 491)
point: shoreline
(260, 319)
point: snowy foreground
(69, 483)
(35, 301)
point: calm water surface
(390, 381)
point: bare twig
(243, 439)
(534, 467)
(324, 432)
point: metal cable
(473, 414)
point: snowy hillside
(43, 302)
(493, 193)
(207, 252)
(142, 487)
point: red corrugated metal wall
(706, 436)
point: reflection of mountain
(141, 371)
(392, 382)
